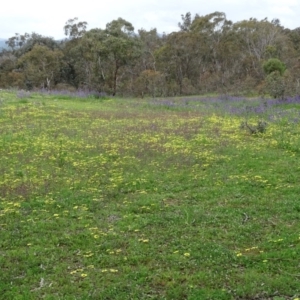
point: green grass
(118, 199)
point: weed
(260, 127)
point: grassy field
(184, 198)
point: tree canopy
(208, 53)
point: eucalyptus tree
(7, 61)
(294, 37)
(121, 46)
(21, 44)
(177, 58)
(144, 74)
(69, 73)
(292, 57)
(9, 75)
(186, 22)
(74, 29)
(74, 63)
(111, 50)
(212, 32)
(194, 56)
(17, 41)
(150, 42)
(258, 41)
(27, 52)
(41, 66)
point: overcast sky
(48, 17)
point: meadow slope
(149, 199)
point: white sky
(48, 17)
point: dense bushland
(207, 54)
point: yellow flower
(91, 266)
(83, 275)
(187, 254)
(239, 254)
(143, 240)
(88, 255)
(113, 270)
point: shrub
(275, 85)
(274, 65)
(260, 127)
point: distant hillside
(2, 43)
